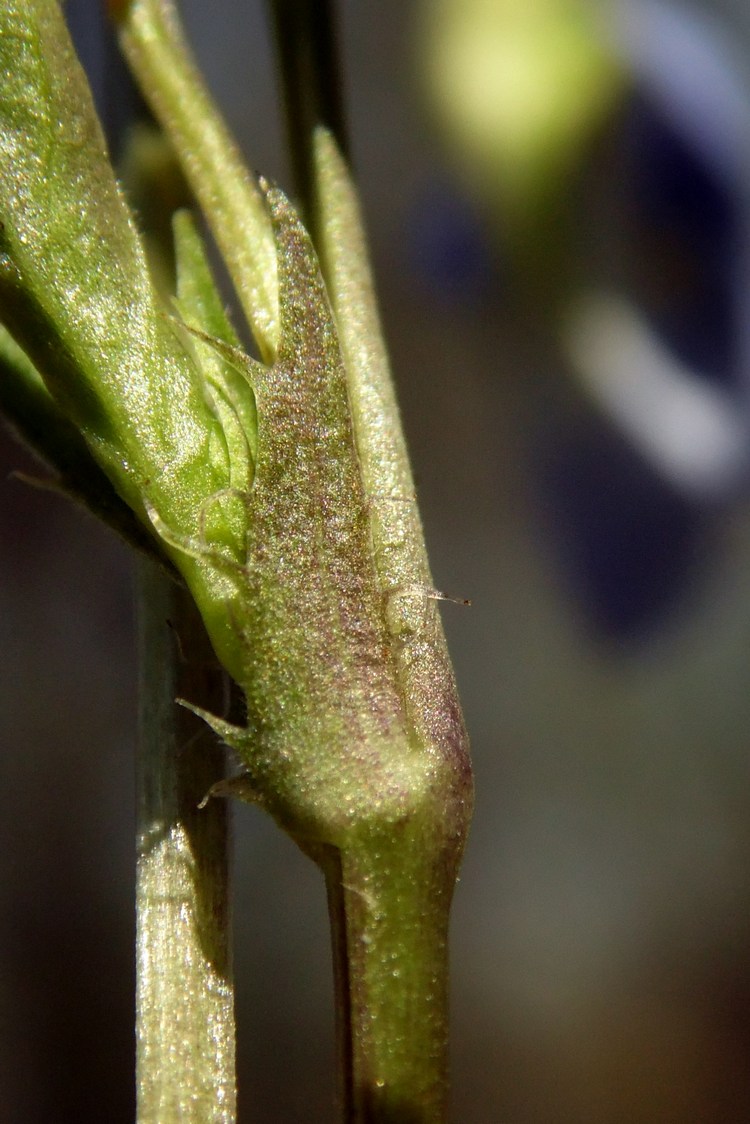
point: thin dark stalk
(331, 866)
(307, 49)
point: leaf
(31, 411)
(76, 295)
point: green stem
(184, 1000)
(390, 892)
(389, 902)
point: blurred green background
(557, 198)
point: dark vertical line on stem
(330, 863)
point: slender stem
(184, 1001)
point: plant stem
(184, 993)
(390, 892)
(389, 906)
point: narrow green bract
(327, 727)
(158, 54)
